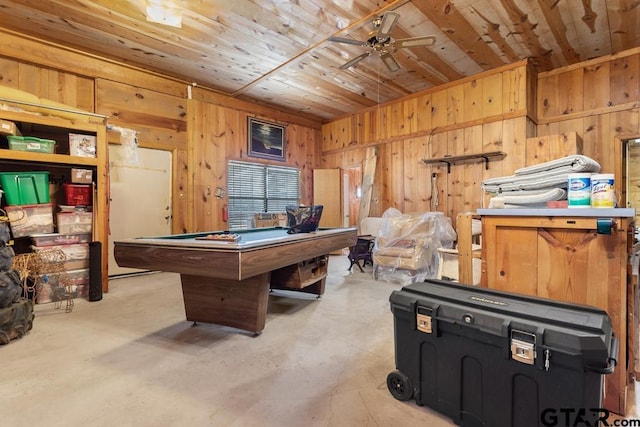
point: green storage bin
(25, 188)
(31, 143)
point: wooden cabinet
(567, 255)
(60, 163)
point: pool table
(228, 282)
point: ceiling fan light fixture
(164, 13)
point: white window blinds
(255, 188)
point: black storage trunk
(492, 358)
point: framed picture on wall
(266, 139)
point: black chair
(361, 252)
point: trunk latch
(523, 347)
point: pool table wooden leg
(241, 304)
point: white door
(140, 198)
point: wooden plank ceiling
(276, 52)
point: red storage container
(77, 194)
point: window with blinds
(255, 188)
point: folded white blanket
(553, 174)
(527, 199)
(533, 197)
(574, 163)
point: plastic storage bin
(25, 188)
(53, 239)
(492, 358)
(74, 222)
(50, 288)
(30, 219)
(77, 194)
(82, 145)
(31, 143)
(76, 255)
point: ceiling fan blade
(389, 20)
(347, 41)
(354, 61)
(414, 42)
(390, 62)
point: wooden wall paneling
(473, 99)
(376, 123)
(633, 195)
(424, 112)
(492, 136)
(210, 167)
(33, 79)
(412, 167)
(492, 95)
(423, 176)
(71, 89)
(129, 104)
(355, 180)
(569, 142)
(397, 121)
(570, 91)
(353, 158)
(438, 147)
(362, 123)
(624, 80)
(531, 92)
(548, 97)
(369, 200)
(596, 86)
(515, 90)
(410, 115)
(298, 153)
(439, 109)
(514, 144)
(622, 124)
(455, 177)
(54, 85)
(327, 136)
(51, 56)
(471, 193)
(537, 150)
(329, 160)
(9, 73)
(338, 134)
(396, 187)
(385, 123)
(569, 139)
(382, 181)
(455, 104)
(180, 223)
(603, 132)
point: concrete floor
(133, 360)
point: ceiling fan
(380, 41)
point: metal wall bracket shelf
(450, 160)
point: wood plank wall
(493, 111)
(588, 107)
(202, 133)
(600, 101)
